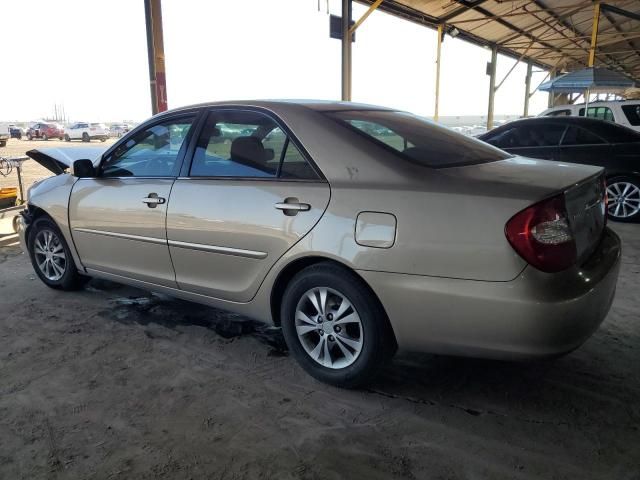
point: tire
(85, 137)
(60, 138)
(67, 138)
(103, 139)
(3, 143)
(45, 137)
(623, 194)
(29, 137)
(51, 257)
(358, 348)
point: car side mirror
(83, 169)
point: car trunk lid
(525, 181)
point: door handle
(291, 206)
(153, 200)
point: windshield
(419, 140)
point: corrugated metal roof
(550, 33)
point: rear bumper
(535, 315)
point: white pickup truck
(4, 134)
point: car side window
(152, 152)
(603, 113)
(580, 136)
(524, 136)
(247, 144)
(559, 113)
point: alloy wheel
(623, 199)
(50, 256)
(329, 327)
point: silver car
(357, 229)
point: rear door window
(580, 136)
(528, 136)
(247, 144)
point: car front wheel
(51, 257)
(335, 327)
(85, 137)
(623, 199)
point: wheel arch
(294, 267)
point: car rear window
(616, 133)
(418, 139)
(632, 112)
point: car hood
(57, 160)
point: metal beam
(369, 11)
(594, 34)
(436, 113)
(346, 51)
(466, 5)
(155, 54)
(492, 86)
(527, 88)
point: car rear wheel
(29, 137)
(335, 327)
(51, 257)
(623, 199)
(85, 137)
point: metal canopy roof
(550, 33)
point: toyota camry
(359, 230)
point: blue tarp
(593, 79)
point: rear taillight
(541, 234)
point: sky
(91, 57)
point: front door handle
(291, 206)
(153, 200)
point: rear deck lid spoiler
(58, 160)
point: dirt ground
(113, 382)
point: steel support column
(492, 85)
(155, 53)
(436, 113)
(346, 51)
(594, 34)
(527, 88)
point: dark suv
(45, 131)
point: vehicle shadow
(583, 388)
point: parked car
(354, 244)
(45, 131)
(626, 112)
(17, 132)
(581, 140)
(86, 132)
(119, 129)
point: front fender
(51, 196)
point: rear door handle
(153, 200)
(291, 206)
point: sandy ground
(114, 382)
(32, 171)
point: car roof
(568, 120)
(317, 105)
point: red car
(45, 131)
